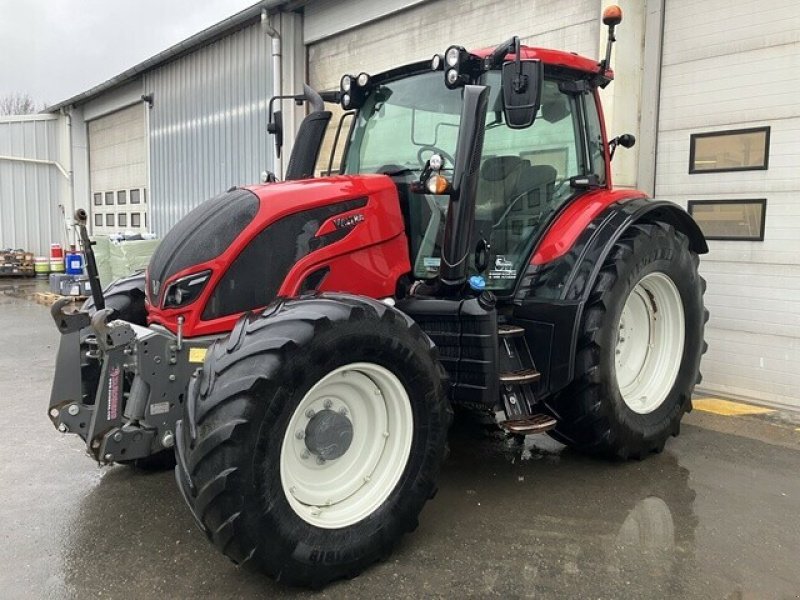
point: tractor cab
(525, 175)
(537, 154)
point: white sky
(53, 49)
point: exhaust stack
(461, 211)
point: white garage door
(118, 171)
(721, 76)
(420, 31)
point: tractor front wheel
(313, 437)
(639, 350)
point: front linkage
(119, 386)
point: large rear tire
(313, 436)
(639, 347)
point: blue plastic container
(74, 262)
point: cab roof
(554, 58)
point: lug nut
(300, 434)
(328, 403)
(342, 411)
(54, 412)
(320, 460)
(63, 428)
(309, 413)
(73, 409)
(305, 454)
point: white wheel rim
(344, 490)
(650, 342)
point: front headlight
(185, 290)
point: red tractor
(302, 343)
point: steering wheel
(434, 150)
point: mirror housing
(626, 140)
(522, 91)
(275, 127)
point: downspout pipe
(277, 88)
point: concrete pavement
(715, 515)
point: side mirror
(275, 127)
(522, 92)
(626, 140)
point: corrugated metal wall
(208, 124)
(30, 193)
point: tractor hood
(239, 251)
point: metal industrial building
(710, 92)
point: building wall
(727, 68)
(33, 195)
(208, 123)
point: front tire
(639, 348)
(313, 436)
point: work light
(363, 80)
(345, 83)
(436, 62)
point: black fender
(550, 298)
(126, 296)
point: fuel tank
(239, 251)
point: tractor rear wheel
(639, 347)
(313, 436)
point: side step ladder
(518, 376)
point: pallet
(49, 298)
(17, 272)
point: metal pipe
(38, 161)
(277, 88)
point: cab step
(509, 331)
(532, 424)
(520, 377)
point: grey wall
(31, 193)
(208, 123)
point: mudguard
(551, 296)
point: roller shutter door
(118, 171)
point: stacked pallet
(16, 263)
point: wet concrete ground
(717, 515)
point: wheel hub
(329, 434)
(346, 445)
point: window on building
(122, 220)
(136, 220)
(110, 220)
(730, 219)
(98, 220)
(110, 198)
(135, 198)
(122, 197)
(736, 150)
(98, 199)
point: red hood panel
(376, 220)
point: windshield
(524, 175)
(401, 121)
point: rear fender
(551, 297)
